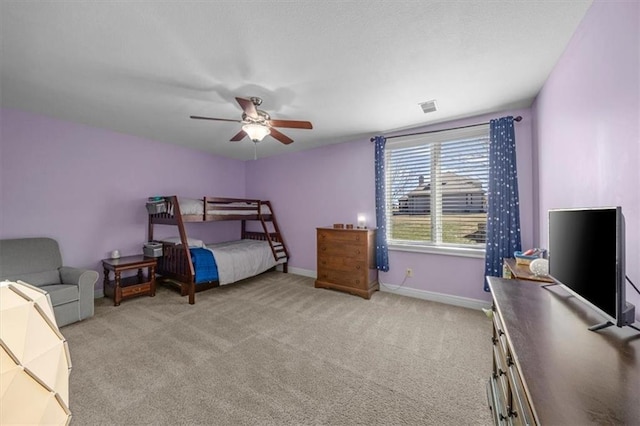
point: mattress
(237, 260)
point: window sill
(446, 251)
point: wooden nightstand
(124, 288)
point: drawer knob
(509, 361)
(501, 373)
(494, 340)
(500, 332)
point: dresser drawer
(498, 332)
(347, 279)
(496, 403)
(500, 371)
(521, 411)
(341, 236)
(341, 263)
(342, 250)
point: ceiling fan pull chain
(255, 150)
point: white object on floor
(34, 358)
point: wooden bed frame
(175, 265)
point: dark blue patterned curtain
(382, 251)
(503, 210)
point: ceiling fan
(257, 124)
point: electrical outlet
(409, 272)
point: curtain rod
(518, 118)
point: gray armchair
(38, 261)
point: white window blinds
(437, 188)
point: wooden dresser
(346, 260)
(549, 369)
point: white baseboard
(464, 302)
(304, 272)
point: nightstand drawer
(137, 289)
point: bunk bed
(183, 261)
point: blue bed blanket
(204, 265)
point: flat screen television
(587, 257)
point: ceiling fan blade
(280, 136)
(239, 136)
(248, 107)
(195, 117)
(292, 124)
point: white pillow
(190, 206)
(192, 242)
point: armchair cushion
(61, 293)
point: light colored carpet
(273, 350)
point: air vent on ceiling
(428, 106)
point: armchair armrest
(85, 280)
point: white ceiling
(352, 68)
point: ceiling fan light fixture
(256, 132)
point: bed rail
(174, 264)
(207, 209)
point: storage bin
(152, 249)
(156, 207)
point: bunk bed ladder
(278, 248)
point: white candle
(362, 221)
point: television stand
(628, 315)
(600, 326)
(548, 368)
(609, 324)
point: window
(437, 190)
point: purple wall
(334, 183)
(587, 125)
(86, 187)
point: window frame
(437, 137)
